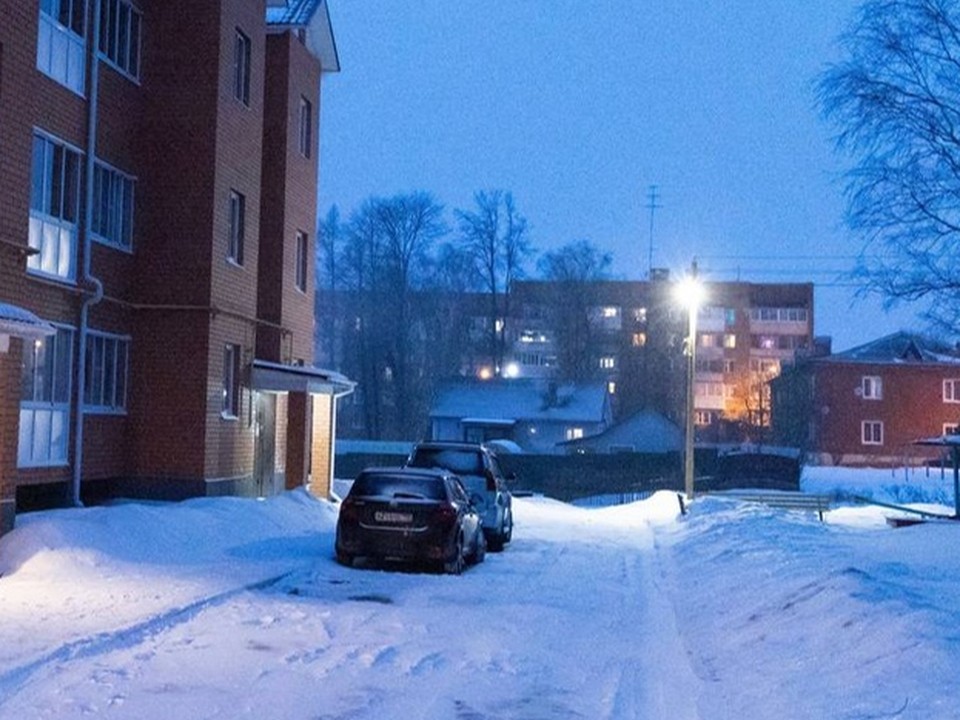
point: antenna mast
(652, 205)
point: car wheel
(455, 565)
(480, 549)
(344, 558)
(508, 528)
(495, 541)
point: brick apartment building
(869, 405)
(158, 177)
(630, 334)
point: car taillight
(349, 511)
(445, 514)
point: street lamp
(690, 294)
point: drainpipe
(87, 277)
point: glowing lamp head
(690, 293)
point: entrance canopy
(21, 323)
(275, 377)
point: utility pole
(652, 206)
(693, 302)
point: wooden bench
(784, 499)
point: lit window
(574, 433)
(872, 388)
(45, 400)
(638, 339)
(702, 417)
(112, 207)
(607, 362)
(54, 208)
(305, 135)
(610, 312)
(640, 315)
(231, 381)
(61, 43)
(872, 432)
(302, 261)
(950, 428)
(120, 36)
(612, 387)
(105, 387)
(241, 68)
(237, 220)
(729, 341)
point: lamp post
(690, 294)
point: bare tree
(496, 236)
(330, 238)
(574, 270)
(895, 99)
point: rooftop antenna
(652, 205)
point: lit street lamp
(689, 293)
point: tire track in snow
(13, 680)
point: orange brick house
(869, 405)
(158, 176)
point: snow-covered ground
(234, 608)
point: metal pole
(956, 482)
(691, 372)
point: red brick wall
(912, 407)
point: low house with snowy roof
(867, 406)
(646, 431)
(535, 414)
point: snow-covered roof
(313, 17)
(898, 348)
(521, 400)
(644, 431)
(20, 322)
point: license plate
(392, 517)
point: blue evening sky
(578, 107)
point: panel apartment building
(158, 178)
(630, 334)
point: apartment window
(112, 222)
(702, 418)
(54, 208)
(729, 340)
(639, 314)
(871, 387)
(951, 390)
(607, 362)
(950, 428)
(729, 366)
(574, 433)
(612, 388)
(871, 432)
(120, 36)
(306, 127)
(610, 311)
(61, 42)
(638, 339)
(238, 209)
(105, 387)
(241, 68)
(708, 340)
(45, 401)
(231, 381)
(302, 260)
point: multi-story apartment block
(158, 170)
(631, 335)
(871, 404)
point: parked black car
(477, 466)
(417, 515)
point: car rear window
(460, 462)
(391, 485)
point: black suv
(479, 470)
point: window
(729, 366)
(729, 340)
(871, 388)
(639, 314)
(238, 205)
(54, 208)
(950, 428)
(574, 433)
(61, 44)
(702, 418)
(610, 311)
(951, 391)
(612, 388)
(302, 256)
(112, 207)
(241, 68)
(638, 339)
(306, 127)
(120, 36)
(45, 401)
(872, 432)
(708, 340)
(105, 387)
(607, 362)
(231, 381)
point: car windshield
(461, 462)
(378, 485)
